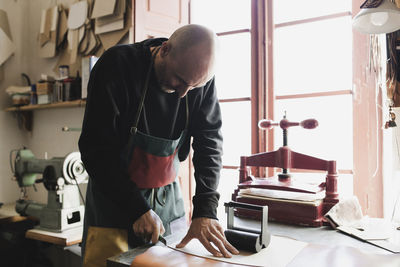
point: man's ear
(165, 49)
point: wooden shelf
(66, 104)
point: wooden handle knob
(266, 124)
(309, 124)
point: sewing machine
(61, 176)
(288, 200)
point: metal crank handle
(285, 124)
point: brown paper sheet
(113, 26)
(48, 32)
(62, 27)
(73, 42)
(4, 23)
(1, 72)
(118, 14)
(77, 15)
(112, 38)
(93, 44)
(7, 47)
(103, 8)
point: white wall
(24, 19)
(392, 175)
(10, 136)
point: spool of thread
(63, 71)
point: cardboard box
(44, 88)
(44, 99)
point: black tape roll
(242, 240)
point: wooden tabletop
(66, 238)
(9, 215)
(323, 240)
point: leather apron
(153, 165)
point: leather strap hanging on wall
(371, 3)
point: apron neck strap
(187, 112)
(146, 85)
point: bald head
(190, 37)
(187, 59)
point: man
(145, 101)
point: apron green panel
(157, 146)
(168, 203)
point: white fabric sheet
(280, 252)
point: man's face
(178, 74)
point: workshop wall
(10, 136)
(24, 19)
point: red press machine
(288, 200)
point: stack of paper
(281, 194)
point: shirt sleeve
(103, 137)
(207, 147)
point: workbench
(9, 215)
(23, 245)
(66, 238)
(324, 243)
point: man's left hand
(209, 231)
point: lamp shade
(382, 19)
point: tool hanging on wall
(71, 129)
(392, 117)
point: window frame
(368, 187)
(367, 184)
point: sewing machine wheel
(73, 169)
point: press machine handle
(285, 124)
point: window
(312, 78)
(298, 57)
(233, 79)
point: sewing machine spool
(247, 239)
(282, 209)
(73, 170)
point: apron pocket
(169, 205)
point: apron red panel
(150, 171)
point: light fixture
(384, 18)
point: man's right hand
(149, 225)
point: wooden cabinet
(159, 18)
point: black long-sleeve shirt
(114, 90)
